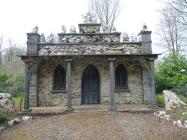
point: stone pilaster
(69, 82)
(153, 101)
(26, 81)
(112, 106)
(33, 82)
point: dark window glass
(120, 77)
(59, 76)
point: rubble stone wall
(46, 97)
(90, 49)
(89, 38)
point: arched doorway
(90, 86)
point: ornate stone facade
(93, 55)
(48, 98)
(90, 49)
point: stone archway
(90, 86)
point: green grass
(17, 100)
(160, 100)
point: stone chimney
(145, 38)
(32, 42)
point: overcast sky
(17, 17)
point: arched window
(59, 76)
(120, 77)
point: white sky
(17, 17)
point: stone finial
(133, 38)
(72, 29)
(42, 38)
(89, 18)
(63, 29)
(125, 37)
(51, 38)
(144, 28)
(35, 29)
(114, 29)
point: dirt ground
(95, 126)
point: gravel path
(95, 126)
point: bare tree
(106, 11)
(11, 63)
(180, 6)
(172, 31)
(1, 44)
(89, 18)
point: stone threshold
(58, 110)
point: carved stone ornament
(51, 38)
(144, 27)
(133, 38)
(72, 29)
(35, 29)
(89, 18)
(63, 29)
(42, 38)
(125, 37)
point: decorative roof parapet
(90, 49)
(88, 37)
(88, 42)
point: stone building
(89, 67)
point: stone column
(152, 81)
(112, 106)
(26, 82)
(68, 82)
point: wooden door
(90, 86)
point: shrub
(181, 92)
(3, 81)
(4, 115)
(168, 73)
(12, 84)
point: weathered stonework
(89, 28)
(92, 49)
(89, 37)
(48, 98)
(75, 52)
